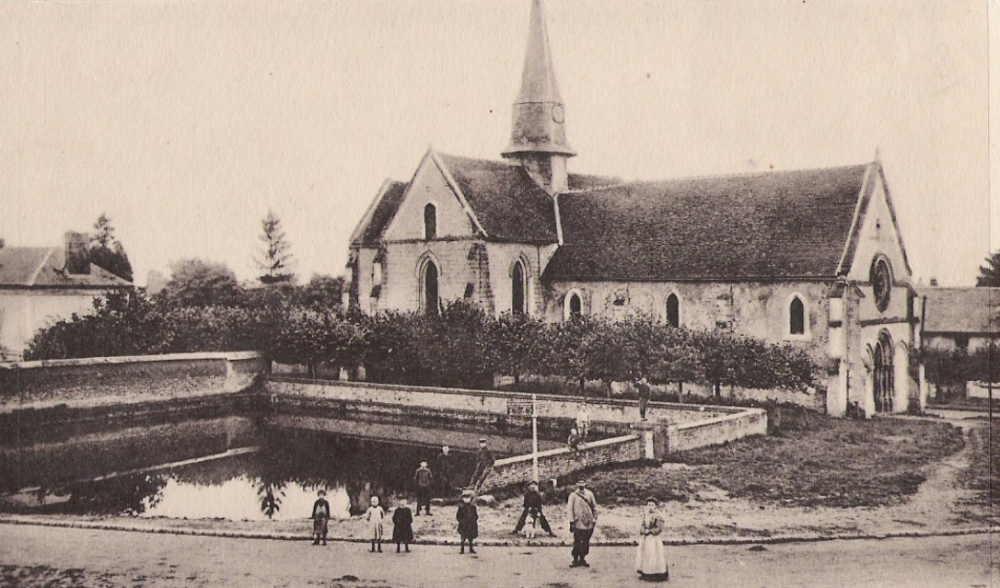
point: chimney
(77, 253)
(934, 282)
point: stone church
(813, 258)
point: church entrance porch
(883, 376)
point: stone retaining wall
(715, 430)
(151, 375)
(621, 412)
(555, 463)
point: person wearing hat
(320, 517)
(484, 464)
(642, 385)
(581, 510)
(424, 478)
(468, 521)
(651, 559)
(533, 508)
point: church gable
(431, 203)
(875, 233)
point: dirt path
(39, 556)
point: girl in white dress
(651, 558)
(375, 515)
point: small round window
(881, 279)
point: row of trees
(462, 347)
(946, 368)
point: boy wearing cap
(582, 514)
(424, 479)
(533, 508)
(320, 517)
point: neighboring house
(960, 319)
(39, 285)
(812, 258)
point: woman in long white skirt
(651, 558)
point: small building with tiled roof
(959, 318)
(812, 258)
(39, 285)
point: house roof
(961, 310)
(774, 225)
(42, 267)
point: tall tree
(196, 282)
(276, 260)
(106, 250)
(989, 274)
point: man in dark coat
(424, 478)
(644, 394)
(468, 521)
(484, 464)
(444, 471)
(533, 506)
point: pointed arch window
(573, 305)
(673, 310)
(796, 317)
(517, 289)
(430, 301)
(430, 222)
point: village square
(514, 365)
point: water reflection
(278, 482)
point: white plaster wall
(24, 312)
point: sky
(186, 121)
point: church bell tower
(538, 134)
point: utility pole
(534, 436)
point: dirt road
(42, 556)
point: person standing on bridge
(424, 478)
(642, 384)
(484, 464)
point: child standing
(468, 521)
(402, 525)
(650, 559)
(320, 517)
(375, 515)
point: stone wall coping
(731, 410)
(716, 420)
(562, 450)
(123, 359)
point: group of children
(402, 522)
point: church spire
(538, 133)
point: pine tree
(276, 260)
(107, 252)
(989, 274)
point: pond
(229, 468)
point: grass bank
(816, 461)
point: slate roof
(508, 203)
(961, 310)
(774, 225)
(383, 214)
(41, 267)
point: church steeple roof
(539, 112)
(538, 78)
